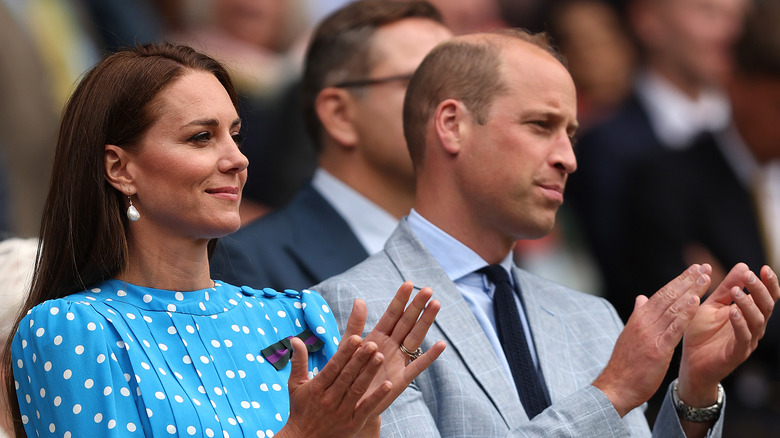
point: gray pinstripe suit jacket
(466, 392)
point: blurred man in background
(357, 66)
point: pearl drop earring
(132, 212)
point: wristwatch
(698, 415)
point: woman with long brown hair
(124, 332)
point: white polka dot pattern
(122, 360)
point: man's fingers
(760, 294)
(749, 312)
(736, 277)
(663, 308)
(639, 301)
(695, 279)
(742, 335)
(769, 278)
(678, 318)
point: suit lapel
(456, 321)
(319, 229)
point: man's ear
(335, 109)
(115, 160)
(451, 122)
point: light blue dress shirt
(460, 263)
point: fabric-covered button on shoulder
(292, 293)
(269, 292)
(248, 291)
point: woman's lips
(228, 193)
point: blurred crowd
(677, 149)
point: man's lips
(554, 191)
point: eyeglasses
(371, 81)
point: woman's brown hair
(83, 235)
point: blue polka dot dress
(124, 360)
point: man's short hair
(466, 70)
(340, 48)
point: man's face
(517, 163)
(257, 22)
(697, 35)
(756, 109)
(399, 48)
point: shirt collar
(676, 118)
(371, 224)
(457, 259)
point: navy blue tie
(513, 341)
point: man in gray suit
(488, 119)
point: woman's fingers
(409, 318)
(299, 367)
(419, 365)
(330, 372)
(360, 384)
(373, 400)
(361, 367)
(332, 403)
(357, 319)
(416, 335)
(395, 309)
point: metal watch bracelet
(698, 415)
